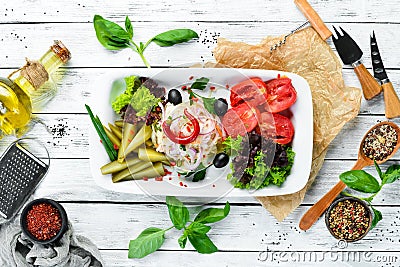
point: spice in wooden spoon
(381, 132)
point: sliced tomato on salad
(240, 120)
(283, 131)
(280, 94)
(251, 90)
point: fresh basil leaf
(200, 83)
(378, 170)
(141, 46)
(146, 243)
(202, 243)
(212, 215)
(128, 27)
(172, 37)
(392, 174)
(200, 175)
(110, 35)
(209, 104)
(377, 217)
(361, 181)
(199, 228)
(178, 213)
(183, 239)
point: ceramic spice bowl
(44, 221)
(349, 219)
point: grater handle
(313, 18)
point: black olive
(174, 96)
(220, 106)
(220, 160)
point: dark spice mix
(380, 142)
(349, 220)
(43, 221)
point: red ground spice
(43, 221)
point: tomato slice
(277, 127)
(251, 90)
(280, 94)
(240, 120)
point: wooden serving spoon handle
(313, 18)
(369, 85)
(392, 102)
(313, 214)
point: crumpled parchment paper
(307, 55)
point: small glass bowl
(55, 204)
(352, 199)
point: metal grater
(20, 173)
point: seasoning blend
(26, 92)
(44, 221)
(349, 219)
(380, 142)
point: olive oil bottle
(19, 96)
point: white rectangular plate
(215, 184)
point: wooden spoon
(312, 215)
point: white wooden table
(250, 236)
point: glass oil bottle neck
(54, 58)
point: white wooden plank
(71, 180)
(262, 258)
(33, 39)
(180, 10)
(65, 136)
(247, 228)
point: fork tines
(344, 33)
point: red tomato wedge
(251, 90)
(283, 131)
(240, 120)
(280, 94)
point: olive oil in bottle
(20, 95)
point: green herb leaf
(199, 228)
(172, 37)
(392, 174)
(202, 243)
(200, 175)
(110, 35)
(146, 243)
(209, 104)
(141, 46)
(377, 217)
(178, 213)
(361, 181)
(183, 239)
(212, 215)
(378, 170)
(128, 27)
(200, 83)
